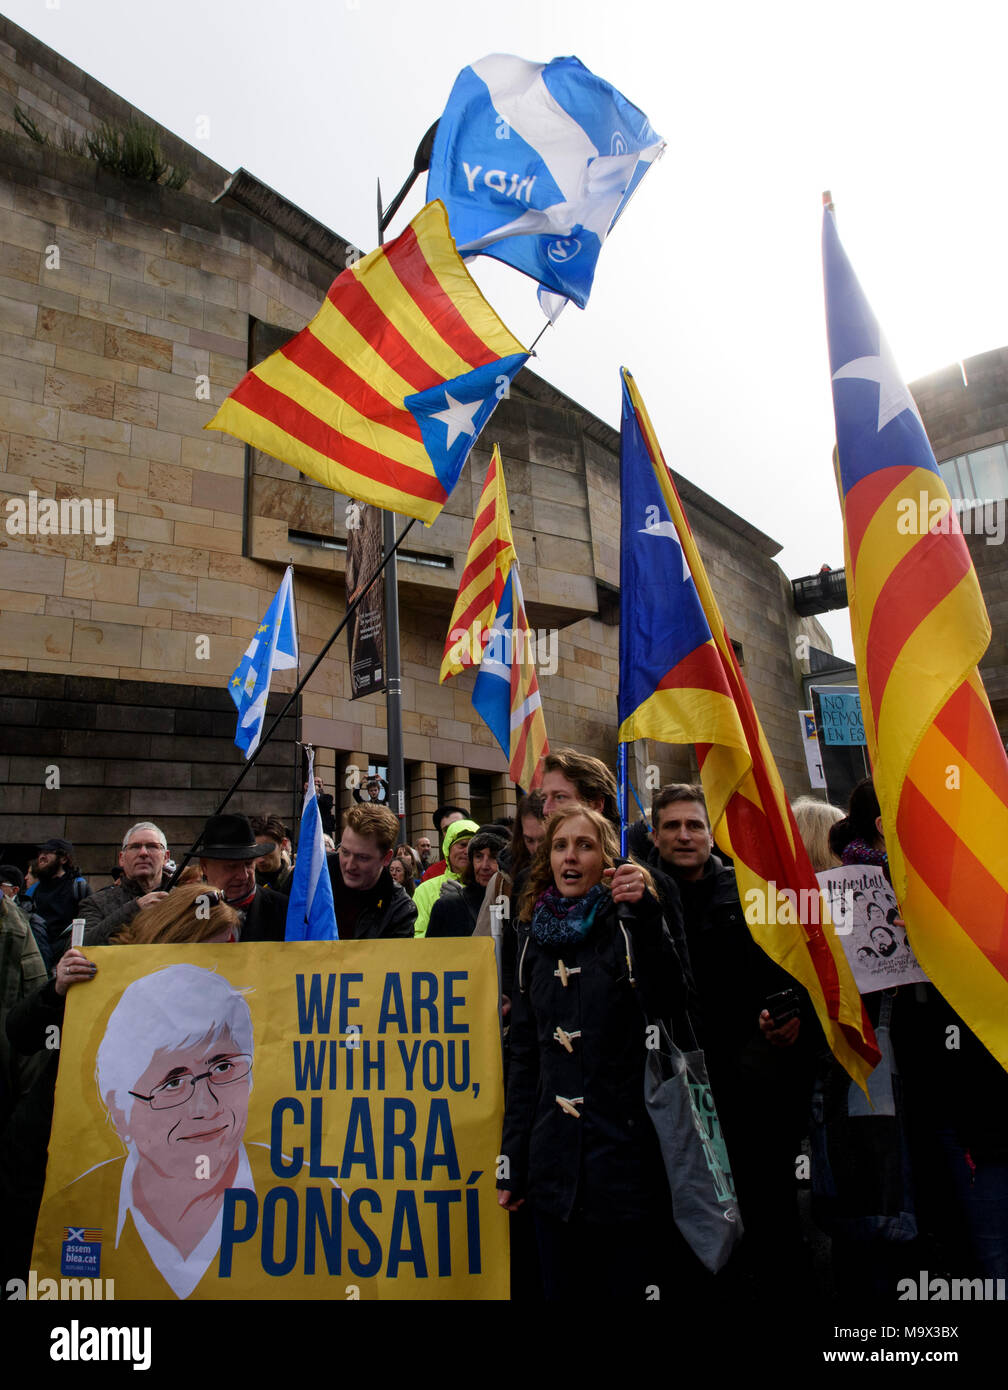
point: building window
(481, 797)
(979, 476)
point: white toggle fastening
(564, 1038)
(569, 1107)
(564, 973)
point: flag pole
(296, 809)
(249, 763)
(395, 770)
(621, 768)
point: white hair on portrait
(170, 1009)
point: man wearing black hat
(60, 887)
(227, 857)
(11, 881)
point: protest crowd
(595, 947)
(701, 1096)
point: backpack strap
(80, 888)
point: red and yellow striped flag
(920, 627)
(683, 685)
(384, 393)
(529, 744)
(490, 556)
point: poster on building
(306, 1120)
(366, 627)
(866, 917)
(810, 742)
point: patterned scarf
(861, 852)
(560, 921)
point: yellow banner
(303, 1120)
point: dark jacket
(108, 910)
(33, 1027)
(456, 910)
(265, 917)
(758, 1088)
(733, 976)
(606, 1165)
(279, 880)
(384, 910)
(671, 906)
(327, 812)
(56, 900)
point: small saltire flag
(310, 912)
(920, 627)
(535, 162)
(506, 693)
(680, 683)
(384, 393)
(491, 554)
(273, 648)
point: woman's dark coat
(606, 1165)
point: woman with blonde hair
(192, 913)
(814, 820)
(595, 962)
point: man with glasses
(368, 902)
(142, 860)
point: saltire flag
(535, 162)
(383, 394)
(273, 648)
(680, 683)
(920, 627)
(506, 693)
(311, 915)
(491, 554)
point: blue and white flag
(535, 162)
(311, 915)
(273, 648)
(491, 694)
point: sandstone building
(128, 310)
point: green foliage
(29, 127)
(131, 151)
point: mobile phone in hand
(783, 1007)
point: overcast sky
(710, 289)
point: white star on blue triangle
(452, 414)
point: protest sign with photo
(282, 1120)
(866, 918)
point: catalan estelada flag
(506, 693)
(491, 554)
(920, 626)
(680, 683)
(385, 392)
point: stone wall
(85, 757)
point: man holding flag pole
(310, 912)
